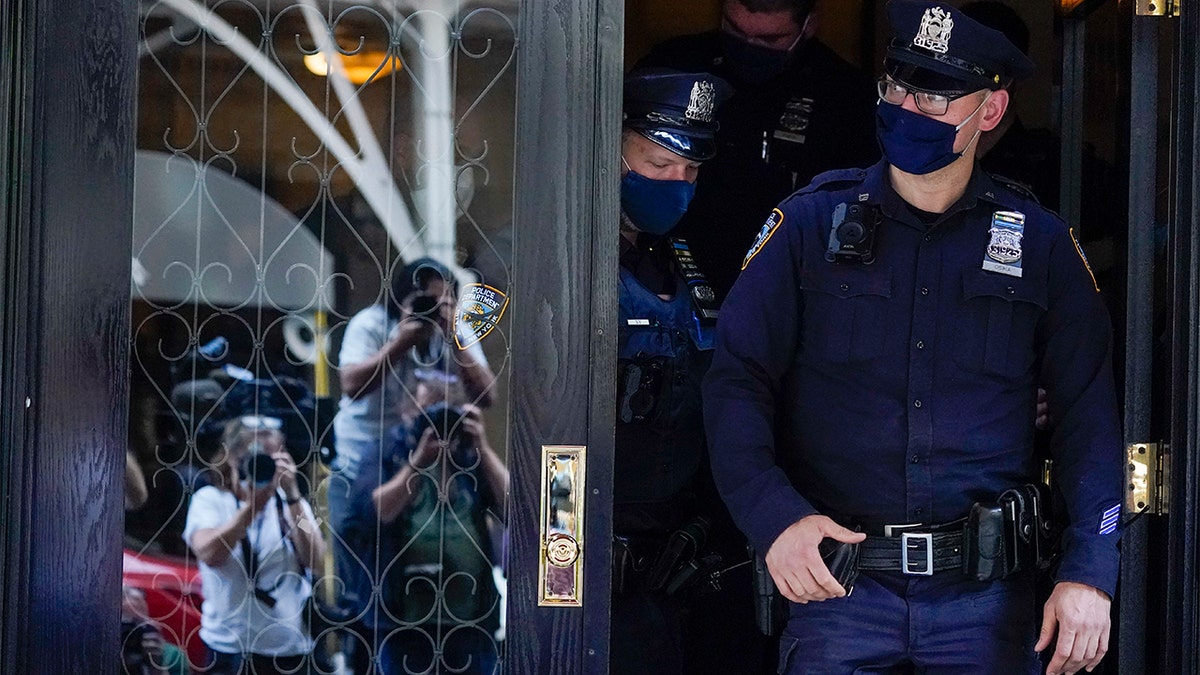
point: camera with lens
(425, 305)
(443, 418)
(852, 236)
(257, 467)
(133, 653)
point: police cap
(675, 110)
(937, 48)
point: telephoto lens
(258, 467)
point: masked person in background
(797, 109)
(258, 543)
(876, 369)
(384, 349)
(669, 528)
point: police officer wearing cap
(797, 109)
(875, 375)
(665, 529)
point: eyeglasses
(927, 102)
(262, 422)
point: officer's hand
(795, 563)
(1080, 615)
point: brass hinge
(1147, 478)
(1159, 7)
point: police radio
(852, 236)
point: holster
(770, 607)
(1009, 535)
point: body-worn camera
(640, 383)
(852, 236)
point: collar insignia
(1004, 249)
(479, 310)
(700, 107)
(934, 33)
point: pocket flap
(849, 282)
(977, 283)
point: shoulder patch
(773, 222)
(1083, 257)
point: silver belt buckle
(905, 565)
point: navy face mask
(654, 206)
(750, 63)
(915, 143)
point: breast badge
(1004, 249)
(773, 222)
(480, 308)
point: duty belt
(917, 550)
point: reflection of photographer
(385, 348)
(257, 542)
(423, 507)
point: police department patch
(773, 222)
(480, 308)
(1109, 519)
(1079, 250)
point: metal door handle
(560, 565)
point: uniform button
(1011, 290)
(924, 290)
(916, 459)
(918, 512)
(917, 403)
(929, 237)
(845, 287)
(920, 344)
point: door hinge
(1159, 7)
(1147, 478)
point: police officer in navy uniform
(875, 376)
(798, 109)
(665, 529)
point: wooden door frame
(565, 312)
(67, 123)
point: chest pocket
(845, 312)
(1000, 316)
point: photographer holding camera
(423, 507)
(257, 542)
(386, 346)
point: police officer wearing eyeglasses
(875, 375)
(797, 110)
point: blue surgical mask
(755, 64)
(915, 143)
(654, 206)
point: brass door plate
(560, 565)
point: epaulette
(834, 180)
(1015, 186)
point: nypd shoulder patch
(773, 222)
(1083, 257)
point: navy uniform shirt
(818, 115)
(905, 390)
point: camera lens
(851, 233)
(424, 305)
(258, 468)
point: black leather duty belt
(914, 552)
